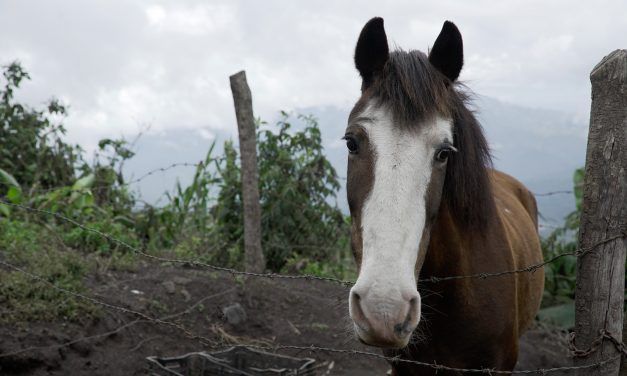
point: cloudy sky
(120, 65)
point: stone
(234, 314)
(169, 286)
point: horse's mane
(414, 90)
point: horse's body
(476, 323)
(424, 203)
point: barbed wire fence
(167, 320)
(172, 166)
(204, 340)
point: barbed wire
(193, 164)
(106, 186)
(531, 268)
(275, 348)
(110, 332)
(437, 367)
(162, 169)
(192, 263)
(104, 304)
(552, 193)
(199, 264)
(207, 341)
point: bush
(296, 184)
(32, 147)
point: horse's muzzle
(384, 321)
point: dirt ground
(287, 312)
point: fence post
(601, 272)
(253, 254)
(623, 366)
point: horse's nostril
(413, 301)
(356, 310)
(399, 329)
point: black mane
(414, 90)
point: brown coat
(476, 323)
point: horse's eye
(351, 144)
(443, 154)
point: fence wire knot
(604, 334)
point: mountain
(539, 147)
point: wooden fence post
(601, 272)
(253, 253)
(623, 367)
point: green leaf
(84, 182)
(126, 221)
(81, 199)
(8, 179)
(14, 195)
(5, 210)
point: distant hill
(540, 147)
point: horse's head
(401, 135)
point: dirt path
(300, 313)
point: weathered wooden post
(253, 254)
(623, 367)
(601, 271)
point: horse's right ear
(371, 52)
(447, 54)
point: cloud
(120, 64)
(198, 19)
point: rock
(181, 280)
(234, 314)
(169, 286)
(186, 295)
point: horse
(425, 202)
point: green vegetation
(302, 231)
(559, 281)
(561, 274)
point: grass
(23, 298)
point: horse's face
(395, 178)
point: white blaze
(393, 215)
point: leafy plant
(560, 275)
(33, 151)
(296, 184)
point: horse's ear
(447, 54)
(371, 52)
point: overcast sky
(123, 64)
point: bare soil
(287, 312)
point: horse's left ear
(447, 54)
(371, 52)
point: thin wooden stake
(253, 254)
